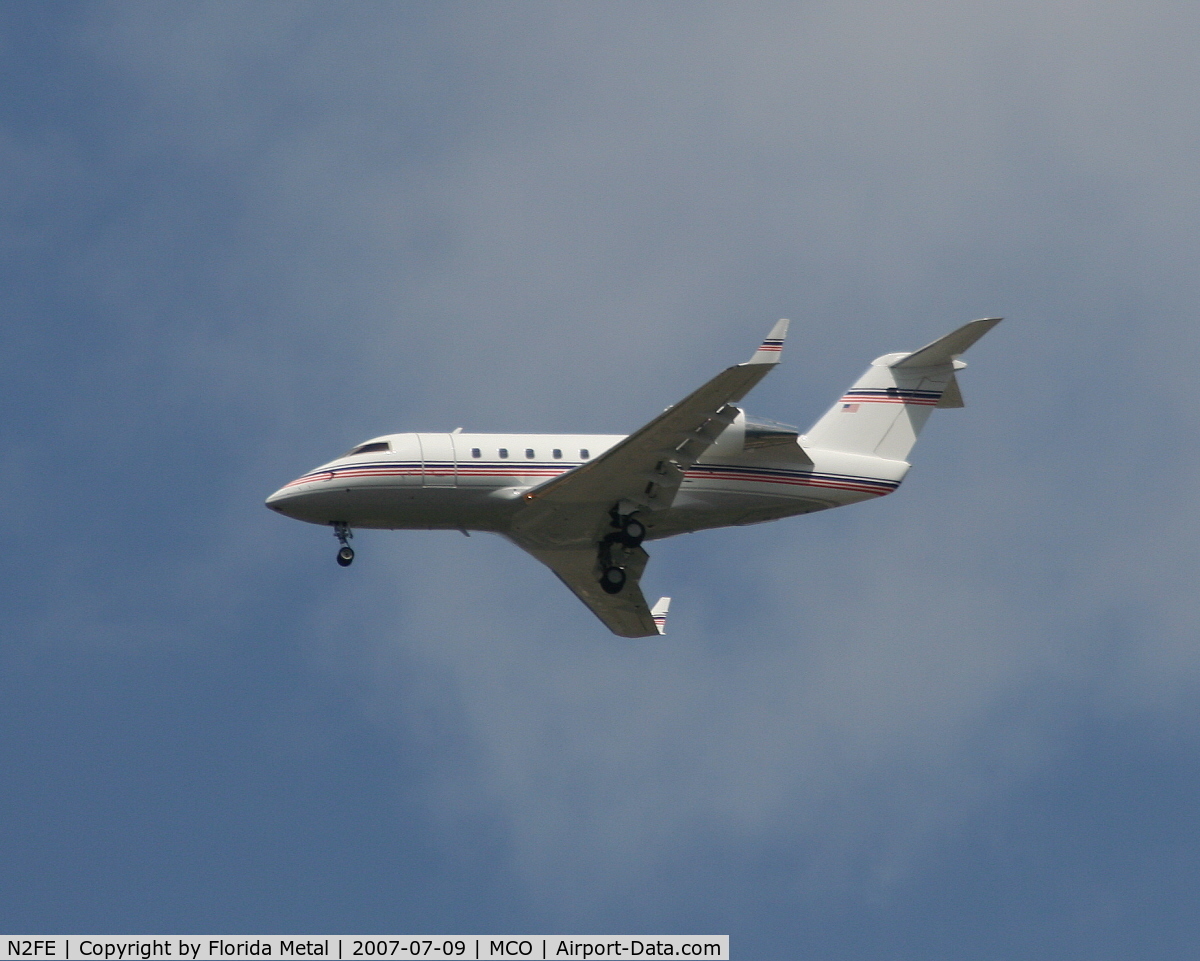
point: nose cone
(278, 501)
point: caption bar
(345, 948)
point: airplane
(583, 504)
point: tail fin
(659, 613)
(884, 411)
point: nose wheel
(345, 555)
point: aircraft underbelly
(397, 507)
(695, 510)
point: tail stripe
(891, 395)
(774, 475)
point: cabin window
(583, 454)
(557, 454)
(529, 452)
(370, 448)
(475, 452)
(503, 451)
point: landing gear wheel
(341, 530)
(612, 580)
(632, 532)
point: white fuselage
(464, 481)
(582, 504)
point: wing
(625, 614)
(644, 471)
(570, 523)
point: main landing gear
(629, 529)
(628, 536)
(345, 555)
(612, 580)
(632, 532)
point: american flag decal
(849, 408)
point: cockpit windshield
(371, 448)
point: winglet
(659, 613)
(769, 352)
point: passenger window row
(529, 453)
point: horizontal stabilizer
(945, 349)
(659, 613)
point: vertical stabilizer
(883, 413)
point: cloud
(293, 228)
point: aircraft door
(438, 467)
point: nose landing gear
(341, 530)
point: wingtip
(772, 347)
(659, 613)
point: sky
(238, 238)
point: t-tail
(882, 414)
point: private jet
(583, 504)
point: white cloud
(557, 217)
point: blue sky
(238, 238)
